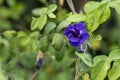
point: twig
(34, 74)
(77, 66)
(70, 3)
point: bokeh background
(18, 55)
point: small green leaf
(85, 58)
(114, 72)
(57, 41)
(62, 25)
(51, 15)
(39, 11)
(38, 22)
(50, 27)
(52, 8)
(115, 54)
(76, 18)
(99, 71)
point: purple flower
(77, 34)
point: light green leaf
(99, 58)
(52, 15)
(11, 2)
(52, 8)
(39, 11)
(49, 27)
(97, 17)
(39, 22)
(76, 18)
(116, 5)
(115, 54)
(88, 8)
(57, 41)
(21, 34)
(114, 72)
(62, 25)
(85, 58)
(99, 71)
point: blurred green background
(18, 49)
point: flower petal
(75, 44)
(83, 38)
(79, 26)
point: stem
(34, 74)
(77, 66)
(70, 3)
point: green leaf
(115, 54)
(99, 71)
(62, 25)
(50, 27)
(76, 18)
(99, 58)
(21, 34)
(114, 72)
(43, 43)
(11, 2)
(97, 17)
(39, 22)
(51, 15)
(116, 5)
(85, 58)
(52, 8)
(57, 41)
(88, 8)
(39, 11)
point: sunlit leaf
(97, 17)
(115, 54)
(76, 18)
(39, 22)
(99, 71)
(114, 72)
(52, 8)
(85, 58)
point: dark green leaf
(57, 41)
(43, 43)
(50, 27)
(62, 25)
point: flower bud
(81, 49)
(39, 60)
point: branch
(70, 3)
